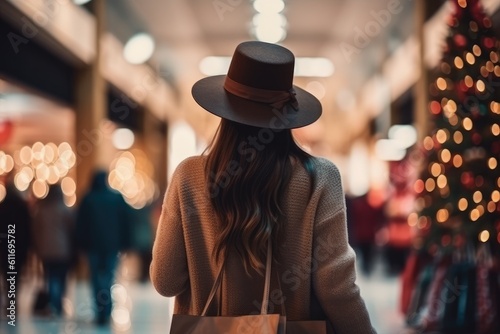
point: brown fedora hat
(258, 90)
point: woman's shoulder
(324, 168)
(191, 164)
(191, 169)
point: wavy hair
(248, 170)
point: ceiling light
(389, 150)
(313, 67)
(269, 20)
(139, 48)
(404, 135)
(270, 34)
(268, 6)
(214, 65)
(123, 139)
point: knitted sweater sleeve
(169, 269)
(334, 280)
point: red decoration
(463, 86)
(488, 42)
(476, 138)
(5, 131)
(435, 107)
(460, 40)
(445, 240)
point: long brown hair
(248, 170)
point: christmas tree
(458, 192)
(459, 187)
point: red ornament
(5, 131)
(476, 138)
(467, 179)
(488, 42)
(460, 40)
(463, 86)
(435, 107)
(445, 240)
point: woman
(254, 185)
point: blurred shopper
(401, 203)
(53, 240)
(15, 222)
(256, 187)
(142, 239)
(365, 216)
(102, 232)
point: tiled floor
(139, 309)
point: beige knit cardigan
(315, 256)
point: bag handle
(267, 283)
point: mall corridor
(140, 309)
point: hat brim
(210, 94)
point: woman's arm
(169, 271)
(334, 279)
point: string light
(484, 71)
(453, 119)
(462, 204)
(497, 71)
(467, 124)
(40, 189)
(474, 215)
(458, 137)
(459, 63)
(470, 58)
(412, 219)
(484, 236)
(441, 136)
(480, 85)
(445, 155)
(451, 106)
(495, 196)
(491, 206)
(477, 197)
(442, 181)
(462, 3)
(430, 184)
(476, 50)
(468, 81)
(428, 143)
(441, 83)
(492, 163)
(489, 66)
(457, 161)
(495, 129)
(442, 215)
(3, 192)
(435, 169)
(494, 57)
(495, 107)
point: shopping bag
(247, 324)
(262, 323)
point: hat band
(275, 98)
